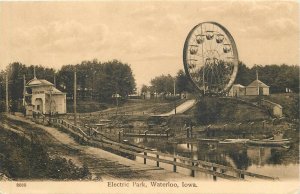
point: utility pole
(54, 80)
(203, 77)
(34, 74)
(50, 102)
(175, 94)
(117, 101)
(24, 89)
(174, 86)
(257, 81)
(74, 97)
(6, 94)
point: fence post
(95, 133)
(157, 162)
(239, 125)
(167, 132)
(193, 171)
(145, 161)
(119, 136)
(174, 165)
(187, 132)
(214, 177)
(242, 176)
(208, 130)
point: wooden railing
(106, 114)
(216, 170)
(75, 129)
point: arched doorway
(39, 105)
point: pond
(270, 161)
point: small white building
(45, 98)
(148, 95)
(256, 88)
(237, 90)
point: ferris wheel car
(193, 49)
(209, 35)
(220, 38)
(200, 38)
(226, 48)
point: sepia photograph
(149, 97)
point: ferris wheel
(210, 58)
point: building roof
(38, 82)
(42, 82)
(238, 85)
(259, 83)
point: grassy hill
(211, 110)
(87, 106)
(289, 102)
(155, 106)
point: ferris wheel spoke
(214, 75)
(218, 75)
(220, 48)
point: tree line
(165, 84)
(96, 80)
(278, 77)
(101, 80)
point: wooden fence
(106, 114)
(216, 170)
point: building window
(37, 107)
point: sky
(148, 35)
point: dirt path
(101, 163)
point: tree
(163, 84)
(15, 72)
(244, 75)
(278, 77)
(98, 80)
(144, 89)
(183, 84)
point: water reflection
(255, 159)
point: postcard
(149, 97)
